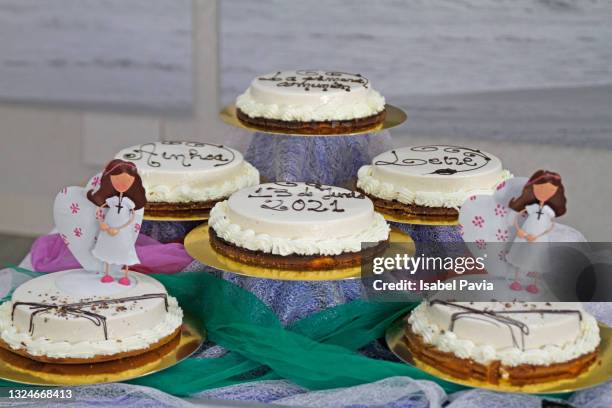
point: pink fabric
(50, 254)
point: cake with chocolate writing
(311, 102)
(429, 182)
(186, 177)
(71, 317)
(519, 343)
(298, 226)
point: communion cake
(72, 317)
(429, 181)
(517, 342)
(183, 177)
(300, 226)
(311, 102)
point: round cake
(518, 342)
(296, 226)
(71, 317)
(187, 177)
(429, 181)
(311, 102)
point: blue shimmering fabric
(165, 232)
(332, 160)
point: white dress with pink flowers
(533, 256)
(119, 249)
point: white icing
(247, 221)
(432, 176)
(131, 325)
(308, 95)
(552, 338)
(189, 171)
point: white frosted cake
(297, 226)
(71, 317)
(188, 176)
(430, 180)
(521, 342)
(311, 102)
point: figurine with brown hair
(541, 201)
(120, 194)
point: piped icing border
(446, 340)
(249, 239)
(387, 191)
(372, 104)
(88, 349)
(248, 176)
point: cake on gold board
(297, 226)
(186, 179)
(311, 102)
(519, 343)
(72, 317)
(429, 182)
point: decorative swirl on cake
(500, 317)
(249, 239)
(78, 310)
(88, 349)
(387, 191)
(447, 341)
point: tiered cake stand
(329, 159)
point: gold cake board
(173, 217)
(598, 373)
(197, 244)
(22, 370)
(394, 117)
(416, 220)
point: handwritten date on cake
(285, 197)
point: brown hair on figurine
(557, 201)
(136, 191)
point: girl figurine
(542, 199)
(121, 191)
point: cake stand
(325, 159)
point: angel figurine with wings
(518, 222)
(100, 223)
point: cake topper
(542, 199)
(100, 223)
(515, 227)
(121, 193)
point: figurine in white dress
(542, 200)
(120, 194)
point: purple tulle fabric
(50, 254)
